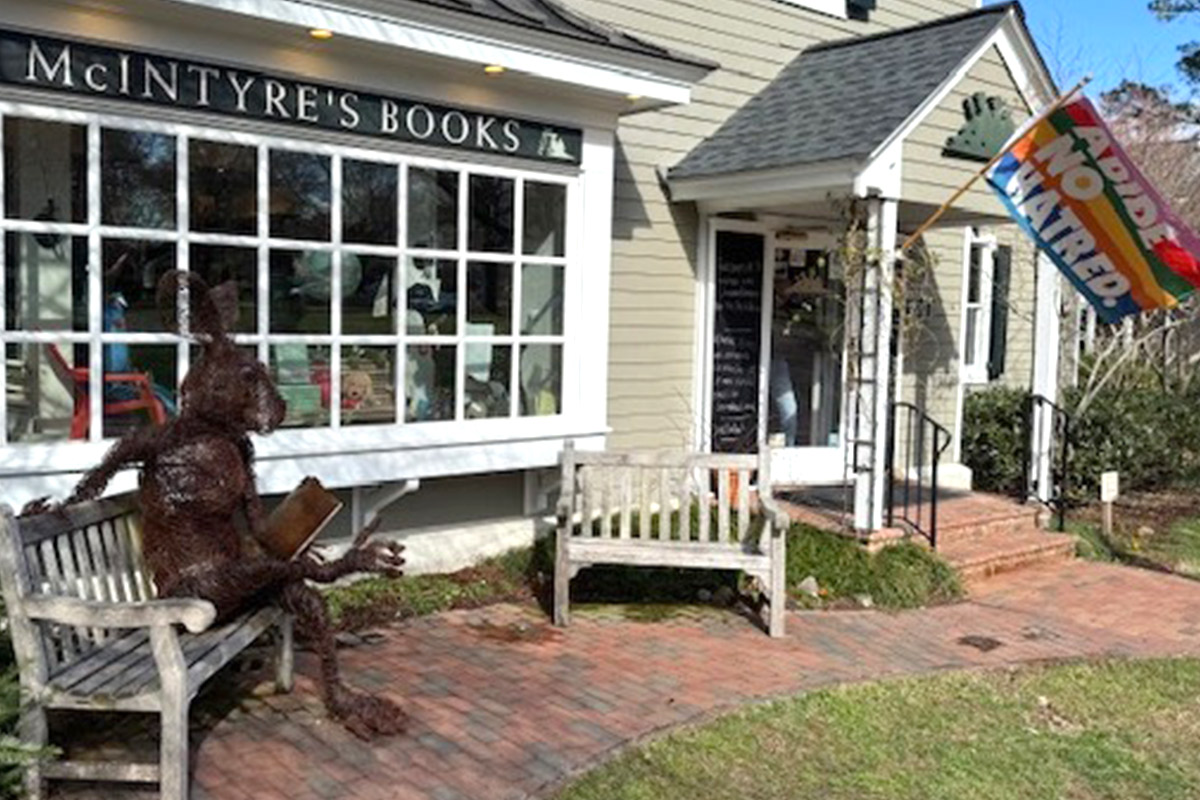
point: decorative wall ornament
(989, 125)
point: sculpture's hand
(41, 505)
(381, 558)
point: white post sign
(1110, 487)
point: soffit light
(321, 33)
(494, 69)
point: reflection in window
(541, 380)
(223, 187)
(542, 300)
(130, 279)
(429, 383)
(300, 282)
(137, 179)
(545, 219)
(368, 385)
(139, 386)
(431, 297)
(488, 372)
(45, 176)
(489, 299)
(45, 282)
(432, 209)
(302, 374)
(369, 193)
(46, 394)
(368, 294)
(300, 195)
(218, 264)
(491, 214)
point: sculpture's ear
(225, 298)
(187, 290)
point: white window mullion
(3, 299)
(514, 357)
(183, 256)
(264, 254)
(460, 355)
(335, 293)
(400, 287)
(95, 288)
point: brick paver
(505, 706)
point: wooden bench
(89, 634)
(648, 510)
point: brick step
(995, 524)
(979, 557)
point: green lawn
(1123, 730)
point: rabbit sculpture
(197, 474)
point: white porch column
(871, 401)
(1046, 351)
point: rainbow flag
(1072, 188)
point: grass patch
(1105, 730)
(901, 576)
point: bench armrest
(781, 519)
(195, 615)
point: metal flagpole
(966, 187)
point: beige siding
(654, 250)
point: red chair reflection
(75, 380)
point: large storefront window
(379, 289)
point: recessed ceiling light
(321, 33)
(493, 69)
(633, 98)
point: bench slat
(694, 555)
(743, 504)
(70, 518)
(723, 533)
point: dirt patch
(516, 632)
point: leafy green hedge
(1151, 436)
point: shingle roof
(841, 99)
(553, 17)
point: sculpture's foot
(365, 715)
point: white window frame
(333, 439)
(974, 364)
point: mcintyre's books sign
(42, 62)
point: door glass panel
(806, 350)
(46, 174)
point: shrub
(994, 441)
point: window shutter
(998, 334)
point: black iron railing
(1053, 445)
(913, 499)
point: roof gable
(841, 100)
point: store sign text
(47, 63)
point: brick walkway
(506, 707)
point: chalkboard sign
(737, 342)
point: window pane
(46, 170)
(45, 282)
(489, 299)
(432, 297)
(223, 187)
(545, 219)
(369, 202)
(432, 209)
(541, 380)
(542, 300)
(429, 383)
(491, 217)
(969, 344)
(139, 386)
(368, 294)
(131, 272)
(137, 177)
(218, 264)
(300, 291)
(301, 374)
(488, 372)
(300, 195)
(47, 392)
(974, 275)
(368, 385)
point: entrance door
(804, 402)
